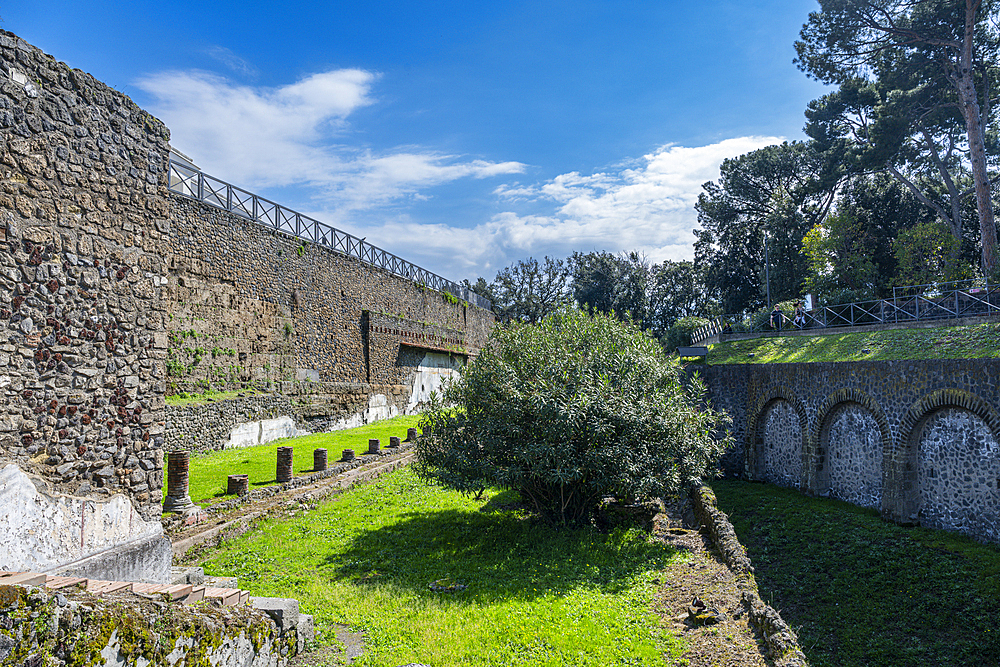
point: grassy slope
(862, 592)
(208, 472)
(980, 340)
(535, 595)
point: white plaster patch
(433, 372)
(262, 432)
(378, 408)
(42, 531)
(353, 421)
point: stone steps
(181, 593)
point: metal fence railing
(200, 186)
(909, 304)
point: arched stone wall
(777, 439)
(849, 465)
(852, 440)
(953, 450)
(916, 438)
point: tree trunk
(964, 82)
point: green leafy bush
(679, 333)
(568, 411)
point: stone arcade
(915, 440)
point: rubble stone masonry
(82, 206)
(916, 440)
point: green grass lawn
(980, 340)
(208, 473)
(535, 595)
(861, 592)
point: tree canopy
(753, 220)
(527, 290)
(915, 81)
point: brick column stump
(284, 469)
(177, 500)
(238, 485)
(319, 460)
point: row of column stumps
(178, 497)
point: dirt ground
(726, 639)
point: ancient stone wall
(917, 440)
(248, 306)
(313, 406)
(71, 627)
(82, 206)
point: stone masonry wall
(315, 407)
(82, 209)
(250, 306)
(72, 627)
(915, 439)
(115, 292)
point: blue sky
(461, 136)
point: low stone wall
(781, 643)
(74, 628)
(314, 407)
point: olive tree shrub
(570, 410)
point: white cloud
(648, 207)
(234, 62)
(299, 135)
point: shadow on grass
(499, 554)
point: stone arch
(755, 463)
(946, 398)
(854, 470)
(951, 463)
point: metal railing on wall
(210, 190)
(913, 303)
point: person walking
(776, 317)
